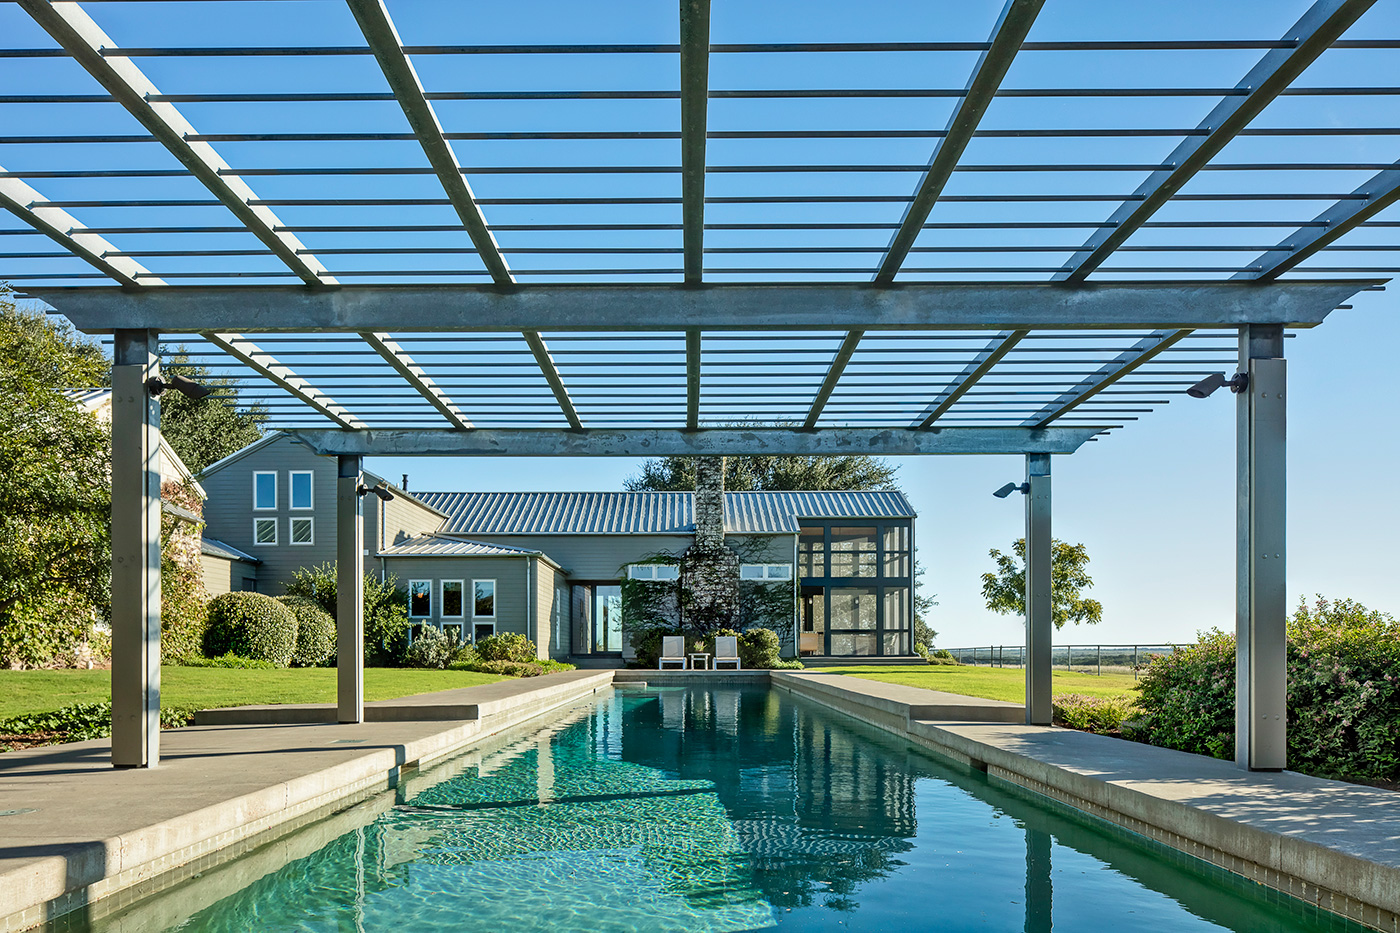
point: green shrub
(506, 646)
(228, 660)
(921, 649)
(84, 721)
(943, 656)
(315, 644)
(646, 642)
(758, 648)
(385, 610)
(790, 665)
(431, 649)
(251, 625)
(1103, 715)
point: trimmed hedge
(251, 625)
(315, 644)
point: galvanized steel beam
(1040, 604)
(708, 442)
(266, 365)
(692, 379)
(414, 375)
(651, 308)
(85, 41)
(1008, 34)
(1125, 363)
(350, 600)
(384, 41)
(833, 376)
(695, 99)
(978, 368)
(1315, 31)
(551, 376)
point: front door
(597, 619)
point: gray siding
(396, 521)
(551, 611)
(513, 590)
(592, 557)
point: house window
(853, 552)
(302, 531)
(452, 599)
(654, 572)
(302, 482)
(765, 572)
(420, 598)
(264, 491)
(264, 531)
(453, 632)
(483, 599)
(250, 585)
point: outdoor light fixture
(1009, 488)
(1215, 381)
(380, 490)
(183, 384)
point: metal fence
(1086, 659)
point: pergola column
(135, 552)
(1261, 585)
(1039, 627)
(350, 591)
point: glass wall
(857, 582)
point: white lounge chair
(727, 651)
(672, 652)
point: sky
(1153, 502)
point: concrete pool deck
(73, 830)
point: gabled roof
(436, 545)
(662, 513)
(219, 549)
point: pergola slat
(833, 376)
(1129, 360)
(414, 375)
(551, 376)
(695, 93)
(978, 368)
(267, 365)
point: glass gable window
(484, 599)
(420, 598)
(451, 599)
(853, 552)
(302, 482)
(857, 586)
(654, 572)
(264, 490)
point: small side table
(699, 660)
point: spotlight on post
(1009, 488)
(379, 490)
(1215, 381)
(181, 384)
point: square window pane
(301, 531)
(264, 490)
(265, 531)
(896, 538)
(751, 572)
(668, 572)
(301, 490)
(850, 645)
(896, 564)
(483, 630)
(452, 598)
(853, 608)
(484, 599)
(896, 643)
(780, 571)
(420, 598)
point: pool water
(726, 810)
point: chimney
(709, 502)
(404, 484)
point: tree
(204, 431)
(55, 502)
(1005, 590)
(760, 473)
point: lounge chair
(672, 652)
(727, 651)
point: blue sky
(1153, 502)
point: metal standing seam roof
(438, 546)
(215, 548)
(664, 513)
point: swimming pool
(718, 809)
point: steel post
(1039, 629)
(1261, 586)
(135, 552)
(350, 589)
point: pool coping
(1199, 806)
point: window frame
(291, 490)
(291, 533)
(494, 589)
(275, 484)
(766, 575)
(429, 613)
(654, 568)
(276, 530)
(442, 599)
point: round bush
(431, 649)
(315, 644)
(506, 646)
(251, 625)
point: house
(577, 572)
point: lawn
(993, 683)
(24, 692)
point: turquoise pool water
(716, 810)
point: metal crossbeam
(67, 231)
(833, 376)
(414, 375)
(695, 93)
(1373, 196)
(979, 367)
(633, 308)
(267, 365)
(660, 442)
(1319, 27)
(551, 376)
(692, 379)
(1122, 365)
(85, 41)
(1008, 34)
(383, 39)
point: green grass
(23, 692)
(992, 683)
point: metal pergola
(702, 247)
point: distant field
(24, 692)
(992, 683)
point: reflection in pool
(721, 810)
